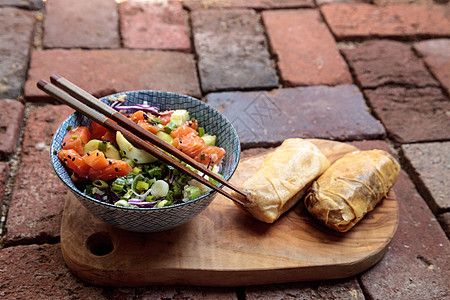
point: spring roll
(351, 187)
(283, 179)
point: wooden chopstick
(113, 114)
(98, 117)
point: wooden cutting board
(224, 247)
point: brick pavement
(372, 74)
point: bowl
(164, 218)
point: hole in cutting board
(99, 244)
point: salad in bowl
(109, 175)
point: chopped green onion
(69, 127)
(74, 137)
(137, 170)
(162, 203)
(150, 198)
(129, 161)
(201, 131)
(155, 121)
(142, 186)
(192, 192)
(123, 203)
(122, 153)
(89, 190)
(213, 181)
(155, 172)
(102, 146)
(177, 191)
(170, 127)
(118, 184)
(100, 184)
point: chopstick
(137, 141)
(113, 114)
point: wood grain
(224, 247)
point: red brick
(82, 23)
(436, 54)
(423, 2)
(411, 114)
(336, 289)
(4, 173)
(146, 25)
(400, 21)
(39, 271)
(306, 50)
(37, 200)
(383, 62)
(26, 4)
(232, 50)
(257, 4)
(16, 28)
(444, 220)
(103, 72)
(323, 2)
(172, 292)
(267, 118)
(11, 114)
(429, 165)
(416, 265)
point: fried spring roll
(283, 179)
(351, 187)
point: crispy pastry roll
(351, 187)
(283, 179)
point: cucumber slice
(111, 151)
(179, 116)
(91, 146)
(137, 155)
(106, 147)
(165, 137)
(210, 140)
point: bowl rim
(146, 209)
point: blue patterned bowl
(164, 218)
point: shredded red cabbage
(147, 108)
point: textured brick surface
(82, 23)
(11, 114)
(114, 71)
(405, 21)
(387, 62)
(232, 50)
(38, 195)
(306, 50)
(16, 28)
(147, 25)
(411, 114)
(267, 118)
(421, 2)
(436, 54)
(4, 173)
(323, 2)
(26, 4)
(430, 163)
(444, 220)
(416, 265)
(333, 289)
(39, 271)
(259, 4)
